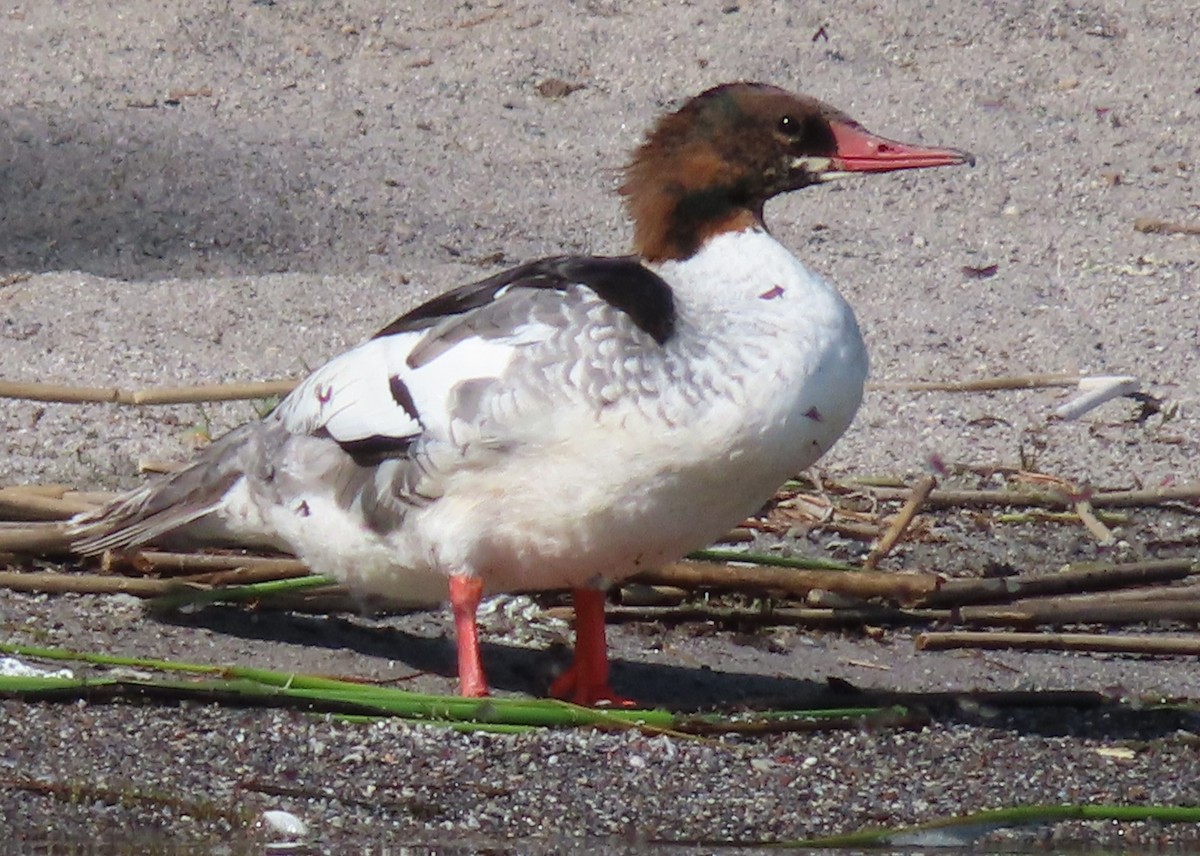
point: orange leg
(586, 681)
(465, 594)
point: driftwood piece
(903, 588)
(1095, 642)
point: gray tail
(165, 507)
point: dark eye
(790, 126)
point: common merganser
(572, 420)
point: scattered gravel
(203, 773)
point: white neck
(748, 268)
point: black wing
(622, 282)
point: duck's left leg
(586, 681)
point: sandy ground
(230, 191)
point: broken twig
(901, 522)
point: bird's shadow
(518, 669)
(510, 668)
(142, 194)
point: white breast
(696, 437)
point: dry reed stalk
(901, 521)
(244, 576)
(1036, 479)
(1095, 642)
(953, 498)
(1140, 593)
(154, 466)
(214, 392)
(55, 583)
(326, 599)
(985, 384)
(1073, 579)
(1056, 611)
(170, 563)
(856, 531)
(66, 394)
(818, 512)
(899, 587)
(24, 503)
(164, 395)
(1155, 226)
(782, 523)
(1093, 524)
(636, 594)
(821, 599)
(1187, 493)
(782, 616)
(1061, 518)
(34, 539)
(59, 393)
